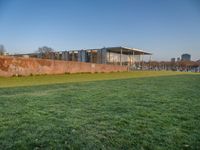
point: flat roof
(127, 50)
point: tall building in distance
(186, 57)
(173, 59)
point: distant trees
(45, 52)
(168, 65)
(2, 50)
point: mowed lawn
(136, 110)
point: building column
(109, 56)
(149, 62)
(142, 60)
(104, 56)
(83, 56)
(101, 57)
(73, 57)
(91, 57)
(67, 56)
(133, 58)
(129, 58)
(79, 56)
(121, 57)
(139, 63)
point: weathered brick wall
(10, 66)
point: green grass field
(130, 110)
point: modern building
(173, 59)
(186, 57)
(106, 55)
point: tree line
(168, 65)
(44, 51)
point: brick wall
(10, 66)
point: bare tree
(45, 52)
(2, 50)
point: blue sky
(166, 28)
